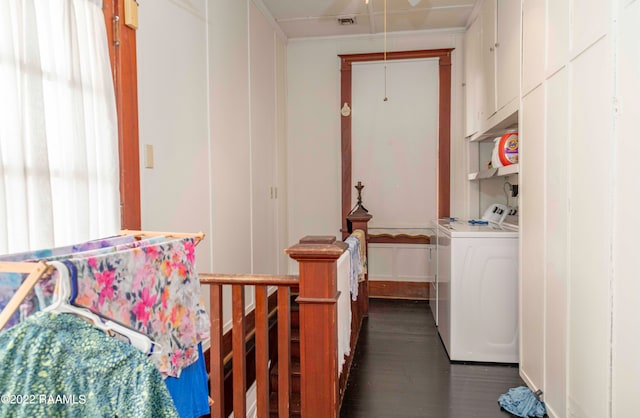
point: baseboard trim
(399, 290)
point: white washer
(477, 306)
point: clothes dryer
(477, 305)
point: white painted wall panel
(313, 140)
(263, 143)
(532, 238)
(472, 76)
(175, 194)
(509, 18)
(589, 22)
(230, 130)
(556, 246)
(533, 43)
(557, 34)
(395, 142)
(402, 262)
(461, 188)
(590, 256)
(281, 146)
(380, 262)
(626, 313)
(413, 264)
(489, 26)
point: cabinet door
(488, 13)
(533, 44)
(473, 76)
(507, 52)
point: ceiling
(308, 18)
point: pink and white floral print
(153, 289)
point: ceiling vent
(347, 20)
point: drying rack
(39, 270)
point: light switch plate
(148, 156)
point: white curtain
(59, 179)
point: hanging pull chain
(385, 51)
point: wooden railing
(217, 360)
(317, 300)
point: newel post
(359, 219)
(318, 296)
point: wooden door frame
(122, 53)
(444, 122)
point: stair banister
(318, 296)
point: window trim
(122, 53)
(444, 123)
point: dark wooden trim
(250, 326)
(444, 122)
(444, 138)
(396, 55)
(399, 290)
(360, 221)
(226, 357)
(284, 350)
(214, 356)
(317, 252)
(125, 80)
(262, 351)
(319, 391)
(345, 141)
(239, 348)
(317, 239)
(248, 279)
(398, 239)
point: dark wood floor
(401, 369)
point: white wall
(313, 110)
(626, 286)
(395, 142)
(402, 262)
(228, 42)
(579, 112)
(173, 118)
(206, 103)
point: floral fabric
(153, 289)
(41, 296)
(58, 365)
(68, 249)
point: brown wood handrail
(318, 383)
(239, 337)
(249, 279)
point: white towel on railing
(356, 265)
(344, 309)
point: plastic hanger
(66, 290)
(35, 272)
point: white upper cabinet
(473, 77)
(493, 73)
(533, 44)
(507, 52)
(488, 13)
